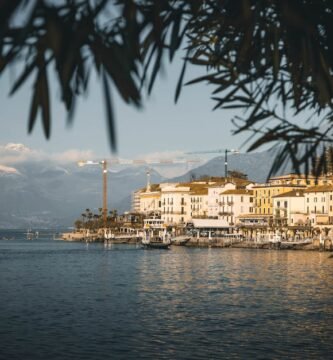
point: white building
(318, 203)
(199, 202)
(213, 198)
(150, 199)
(289, 208)
(175, 203)
(235, 202)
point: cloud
(167, 163)
(73, 155)
(163, 156)
(8, 170)
(11, 154)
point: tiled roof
(293, 193)
(199, 191)
(269, 186)
(319, 188)
(237, 192)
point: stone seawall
(227, 243)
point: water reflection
(276, 300)
(63, 300)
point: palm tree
(84, 216)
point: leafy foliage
(263, 57)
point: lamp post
(105, 187)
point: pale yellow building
(264, 193)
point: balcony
(226, 213)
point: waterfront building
(213, 197)
(319, 204)
(235, 202)
(289, 209)
(264, 193)
(215, 190)
(150, 199)
(175, 203)
(199, 202)
(285, 202)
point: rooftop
(293, 193)
(319, 188)
(237, 192)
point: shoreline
(209, 243)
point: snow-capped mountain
(42, 193)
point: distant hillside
(44, 194)
(255, 165)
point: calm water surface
(63, 300)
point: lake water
(63, 300)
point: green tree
(263, 57)
(237, 174)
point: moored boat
(156, 243)
(180, 240)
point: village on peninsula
(290, 211)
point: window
(241, 198)
(286, 204)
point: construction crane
(218, 151)
(134, 162)
(105, 186)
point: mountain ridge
(44, 193)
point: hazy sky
(161, 126)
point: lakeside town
(295, 210)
